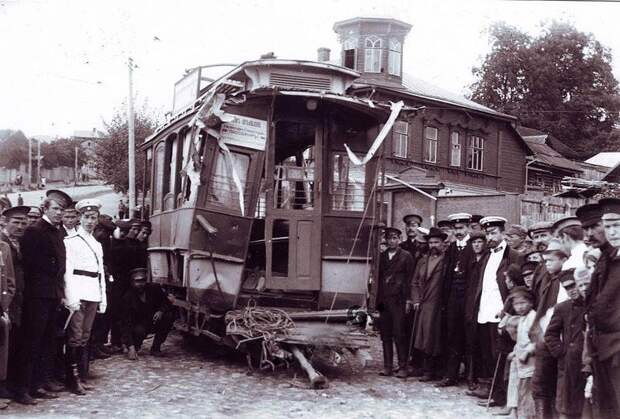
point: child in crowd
(523, 352)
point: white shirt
(70, 231)
(575, 259)
(491, 301)
(46, 218)
(462, 243)
(391, 254)
(84, 253)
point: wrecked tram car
(263, 198)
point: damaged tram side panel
(255, 200)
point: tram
(263, 194)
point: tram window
(222, 189)
(279, 244)
(158, 178)
(294, 179)
(347, 188)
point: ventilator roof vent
(300, 81)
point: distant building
(88, 144)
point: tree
(13, 150)
(61, 152)
(111, 161)
(560, 82)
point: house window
(400, 139)
(455, 149)
(430, 144)
(158, 180)
(394, 57)
(475, 153)
(372, 62)
(349, 47)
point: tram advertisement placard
(245, 132)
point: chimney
(323, 54)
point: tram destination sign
(245, 132)
(186, 91)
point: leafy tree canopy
(111, 161)
(560, 82)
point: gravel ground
(195, 383)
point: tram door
(292, 221)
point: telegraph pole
(38, 162)
(75, 170)
(29, 162)
(131, 143)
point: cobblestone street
(193, 383)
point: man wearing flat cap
(489, 297)
(427, 297)
(458, 258)
(43, 255)
(85, 291)
(570, 233)
(395, 272)
(604, 319)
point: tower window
(394, 57)
(372, 58)
(350, 53)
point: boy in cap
(516, 237)
(427, 299)
(395, 272)
(564, 339)
(70, 219)
(85, 292)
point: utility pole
(131, 143)
(75, 170)
(29, 162)
(38, 162)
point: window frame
(473, 151)
(456, 151)
(430, 141)
(353, 43)
(373, 54)
(395, 49)
(397, 139)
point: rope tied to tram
(259, 323)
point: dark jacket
(604, 312)
(457, 264)
(138, 313)
(395, 277)
(564, 338)
(427, 290)
(44, 257)
(509, 257)
(547, 298)
(15, 309)
(7, 278)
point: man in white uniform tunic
(84, 290)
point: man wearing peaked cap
(488, 298)
(446, 227)
(395, 271)
(410, 244)
(604, 316)
(541, 233)
(85, 291)
(570, 233)
(70, 219)
(474, 225)
(589, 216)
(43, 255)
(457, 258)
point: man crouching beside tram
(84, 293)
(395, 272)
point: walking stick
(415, 316)
(499, 359)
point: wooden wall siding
(504, 155)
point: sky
(64, 62)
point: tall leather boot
(401, 348)
(84, 367)
(471, 374)
(388, 358)
(73, 377)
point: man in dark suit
(410, 244)
(458, 257)
(44, 257)
(490, 294)
(395, 273)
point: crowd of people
(73, 288)
(529, 318)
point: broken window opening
(222, 189)
(280, 248)
(347, 187)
